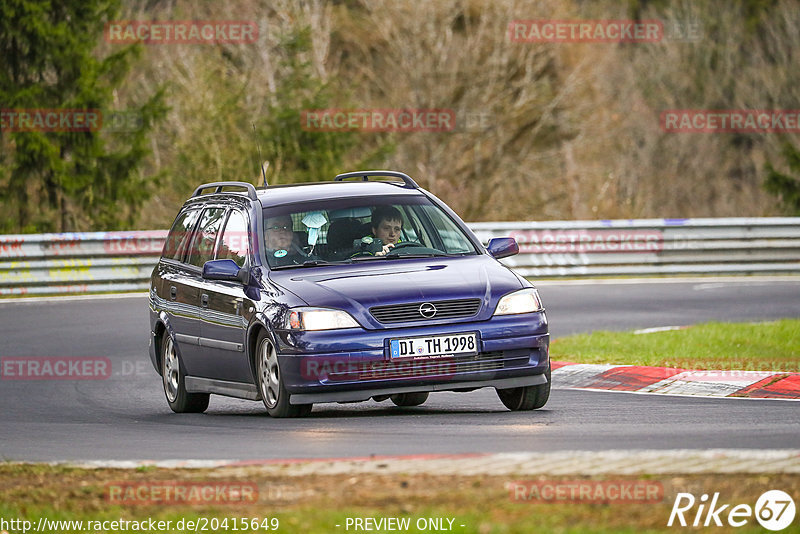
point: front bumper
(365, 394)
(354, 364)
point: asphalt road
(126, 417)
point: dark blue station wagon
(365, 287)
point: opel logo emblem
(427, 310)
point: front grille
(445, 309)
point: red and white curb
(617, 462)
(673, 381)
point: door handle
(173, 292)
(204, 300)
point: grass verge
(767, 346)
(475, 504)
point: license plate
(427, 347)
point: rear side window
(235, 242)
(201, 249)
(180, 235)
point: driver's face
(388, 231)
(278, 233)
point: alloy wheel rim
(269, 374)
(171, 371)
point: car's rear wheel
(179, 400)
(527, 397)
(410, 399)
(270, 382)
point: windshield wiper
(316, 263)
(394, 255)
(309, 263)
(397, 255)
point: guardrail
(651, 246)
(78, 262)
(122, 261)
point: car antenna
(260, 158)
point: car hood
(357, 287)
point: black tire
(270, 383)
(410, 399)
(173, 379)
(526, 398)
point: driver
(387, 225)
(280, 242)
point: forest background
(543, 130)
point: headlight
(319, 319)
(522, 301)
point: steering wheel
(358, 253)
(404, 244)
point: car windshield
(350, 230)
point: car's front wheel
(409, 399)
(179, 400)
(527, 397)
(270, 382)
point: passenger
(280, 242)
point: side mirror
(225, 270)
(502, 247)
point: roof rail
(364, 175)
(251, 190)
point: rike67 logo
(774, 510)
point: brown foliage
(544, 131)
